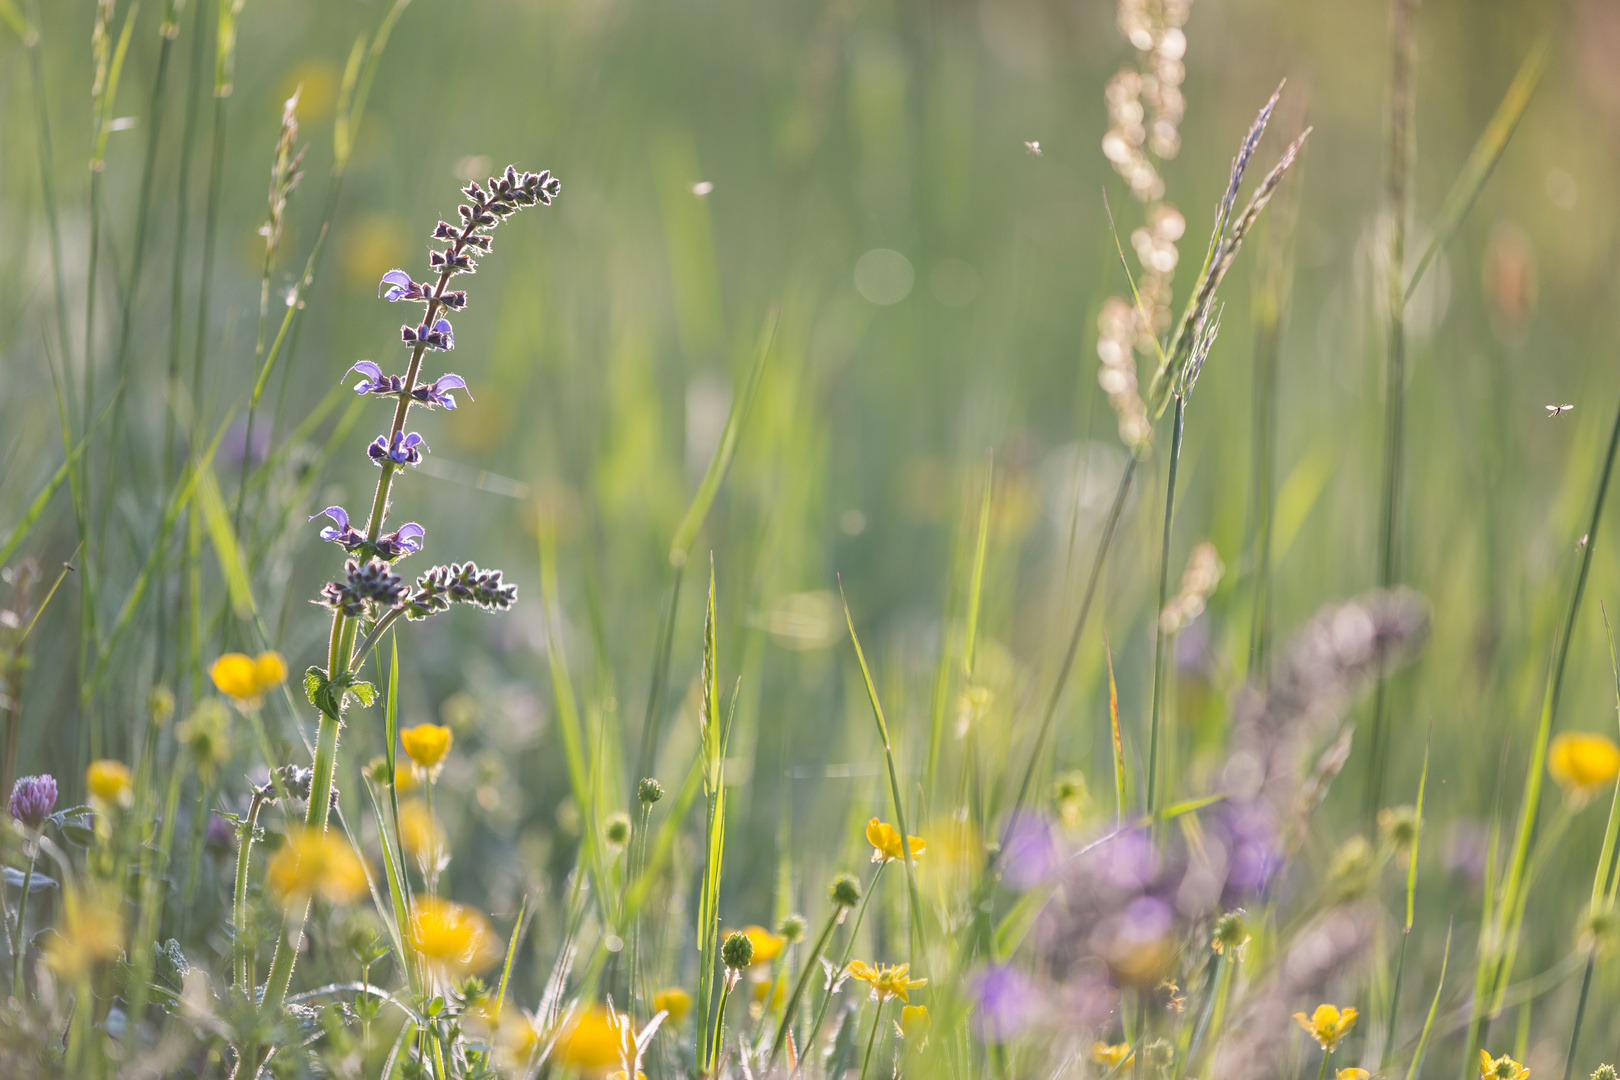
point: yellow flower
(406, 777)
(593, 1042)
(109, 783)
(452, 940)
(1327, 1025)
(92, 931)
(1351, 1074)
(914, 1021)
(675, 1001)
(314, 863)
(886, 982)
(427, 744)
(774, 989)
(1582, 763)
(420, 833)
(621, 1075)
(244, 679)
(516, 1040)
(1112, 1056)
(885, 841)
(766, 944)
(1502, 1068)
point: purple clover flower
(1029, 853)
(440, 336)
(32, 799)
(402, 450)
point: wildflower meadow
(836, 539)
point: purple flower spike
(32, 799)
(406, 540)
(375, 381)
(341, 533)
(437, 391)
(402, 450)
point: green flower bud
(792, 927)
(617, 829)
(846, 890)
(649, 791)
(737, 950)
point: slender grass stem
(810, 965)
(1397, 210)
(244, 853)
(1160, 637)
(843, 962)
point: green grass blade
(25, 524)
(1434, 1007)
(976, 580)
(918, 933)
(1611, 831)
(1417, 832)
(1118, 743)
(720, 462)
(714, 765)
(1483, 158)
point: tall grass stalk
(1498, 937)
(715, 736)
(1396, 212)
(1160, 633)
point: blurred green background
(606, 335)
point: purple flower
(405, 540)
(440, 336)
(1030, 852)
(341, 533)
(437, 391)
(375, 381)
(1008, 1002)
(401, 287)
(32, 799)
(402, 450)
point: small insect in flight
(1558, 410)
(1033, 147)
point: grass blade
(1482, 159)
(1434, 1006)
(1119, 744)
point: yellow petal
(427, 744)
(236, 675)
(269, 671)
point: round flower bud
(617, 829)
(846, 890)
(649, 791)
(160, 705)
(791, 927)
(737, 950)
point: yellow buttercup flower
(427, 744)
(244, 679)
(621, 1075)
(1502, 1068)
(885, 841)
(773, 989)
(315, 863)
(1327, 1025)
(914, 1021)
(886, 981)
(1351, 1074)
(593, 1042)
(766, 944)
(1582, 763)
(452, 939)
(1117, 1054)
(673, 1000)
(109, 783)
(91, 932)
(420, 833)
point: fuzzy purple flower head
(32, 799)
(439, 336)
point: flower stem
(244, 848)
(802, 983)
(871, 1040)
(1321, 1074)
(19, 947)
(849, 947)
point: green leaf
(314, 682)
(366, 692)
